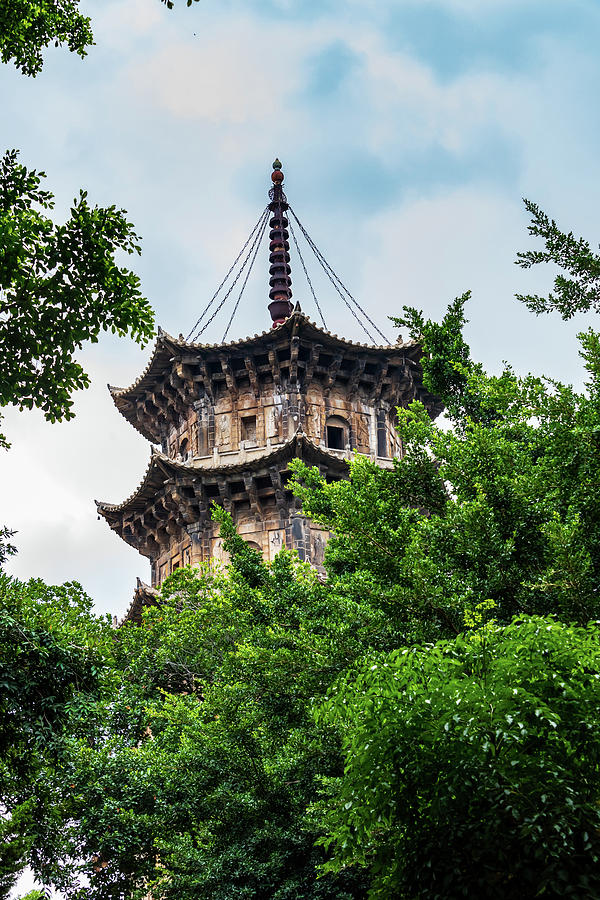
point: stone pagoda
(229, 417)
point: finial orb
(277, 177)
(277, 164)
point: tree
(52, 653)
(471, 763)
(579, 290)
(471, 766)
(27, 28)
(506, 505)
(60, 286)
(207, 756)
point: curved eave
(144, 596)
(297, 318)
(161, 468)
(158, 365)
(167, 347)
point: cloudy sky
(409, 131)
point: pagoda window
(254, 546)
(248, 429)
(382, 441)
(336, 433)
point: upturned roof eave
(168, 467)
(167, 346)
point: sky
(409, 131)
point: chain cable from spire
(216, 293)
(236, 279)
(343, 298)
(312, 290)
(335, 280)
(255, 247)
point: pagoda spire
(280, 281)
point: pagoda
(229, 417)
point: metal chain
(312, 290)
(332, 275)
(214, 297)
(256, 247)
(235, 281)
(315, 251)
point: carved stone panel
(313, 423)
(273, 423)
(218, 551)
(224, 430)
(276, 542)
(318, 540)
(361, 432)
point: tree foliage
(505, 506)
(472, 766)
(60, 285)
(52, 653)
(576, 291)
(206, 758)
(27, 28)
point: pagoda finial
(280, 306)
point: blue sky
(409, 131)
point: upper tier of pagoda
(296, 354)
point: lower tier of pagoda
(168, 518)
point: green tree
(576, 291)
(27, 28)
(53, 651)
(471, 763)
(60, 285)
(207, 755)
(471, 766)
(505, 505)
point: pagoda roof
(161, 468)
(161, 357)
(171, 356)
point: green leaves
(471, 765)
(580, 291)
(53, 656)
(27, 28)
(204, 755)
(60, 286)
(171, 3)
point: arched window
(336, 433)
(184, 448)
(255, 546)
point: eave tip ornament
(280, 281)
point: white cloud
(120, 24)
(434, 249)
(234, 72)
